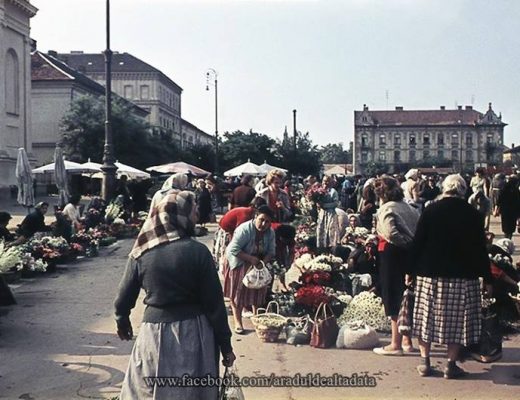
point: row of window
(169, 98)
(168, 123)
(412, 139)
(382, 155)
(144, 92)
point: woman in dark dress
(204, 203)
(448, 256)
(508, 206)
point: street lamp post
(109, 169)
(211, 75)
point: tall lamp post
(211, 75)
(109, 169)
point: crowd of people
(391, 232)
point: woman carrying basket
(252, 243)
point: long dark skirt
(392, 269)
(508, 223)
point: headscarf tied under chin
(176, 181)
(169, 221)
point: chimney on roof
(512, 146)
(443, 107)
(398, 108)
(365, 107)
(469, 107)
(76, 52)
(53, 53)
(459, 107)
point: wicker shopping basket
(269, 324)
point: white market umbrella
(335, 170)
(24, 180)
(267, 167)
(60, 176)
(122, 169)
(93, 166)
(179, 167)
(247, 168)
(70, 166)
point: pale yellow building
(462, 138)
(15, 86)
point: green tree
(239, 147)
(201, 155)
(304, 160)
(83, 134)
(333, 153)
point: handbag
(405, 317)
(227, 392)
(257, 278)
(299, 331)
(325, 329)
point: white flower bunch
(304, 259)
(315, 266)
(31, 264)
(329, 259)
(54, 242)
(118, 221)
(9, 257)
(113, 211)
(366, 307)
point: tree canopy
(83, 134)
(334, 153)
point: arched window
(12, 83)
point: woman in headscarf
(448, 256)
(174, 183)
(396, 222)
(252, 243)
(185, 319)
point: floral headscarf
(168, 221)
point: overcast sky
(325, 58)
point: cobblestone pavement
(59, 342)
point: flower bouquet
(312, 295)
(113, 211)
(369, 309)
(316, 194)
(316, 278)
(32, 266)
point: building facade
(137, 82)
(54, 87)
(15, 86)
(191, 136)
(400, 139)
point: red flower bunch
(312, 295)
(317, 193)
(77, 248)
(317, 278)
